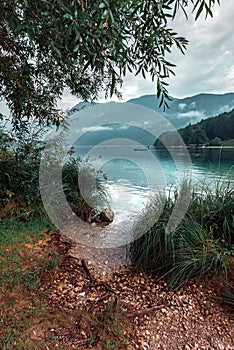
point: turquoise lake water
(145, 167)
(135, 173)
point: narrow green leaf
(76, 48)
(105, 14)
(58, 52)
(113, 80)
(19, 29)
(112, 17)
(68, 16)
(102, 5)
(199, 11)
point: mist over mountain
(189, 109)
(116, 131)
(182, 112)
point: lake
(145, 166)
(135, 172)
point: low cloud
(226, 108)
(182, 106)
(95, 129)
(192, 114)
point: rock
(104, 217)
(107, 215)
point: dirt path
(89, 281)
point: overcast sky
(207, 66)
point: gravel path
(188, 318)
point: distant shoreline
(204, 147)
(218, 147)
(198, 147)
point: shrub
(19, 185)
(19, 180)
(83, 187)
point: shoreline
(220, 147)
(197, 147)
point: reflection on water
(133, 176)
(213, 163)
(157, 168)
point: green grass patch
(108, 330)
(19, 264)
(14, 231)
(25, 263)
(17, 322)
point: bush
(19, 180)
(215, 142)
(19, 185)
(83, 188)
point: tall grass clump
(228, 300)
(202, 244)
(213, 206)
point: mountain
(182, 112)
(189, 109)
(115, 131)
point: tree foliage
(194, 135)
(221, 126)
(212, 131)
(86, 46)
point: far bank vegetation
(214, 131)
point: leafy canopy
(87, 46)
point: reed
(201, 245)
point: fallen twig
(105, 296)
(104, 284)
(85, 267)
(145, 311)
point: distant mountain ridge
(184, 111)
(189, 109)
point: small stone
(164, 311)
(82, 294)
